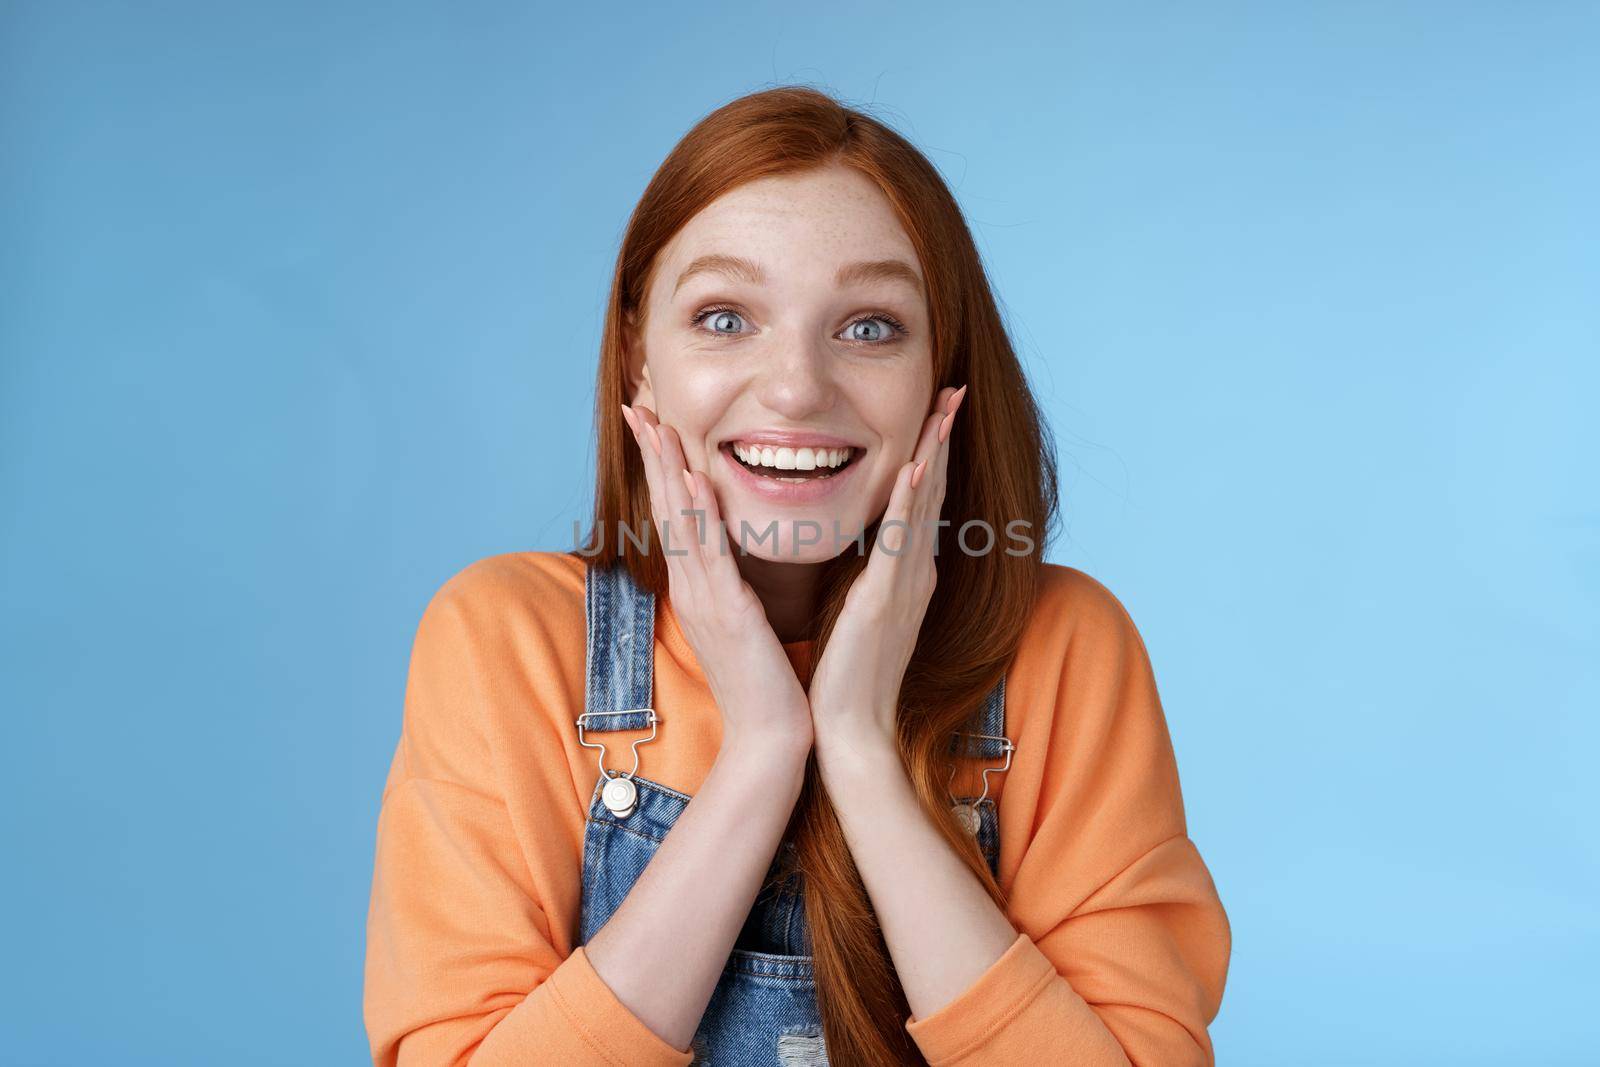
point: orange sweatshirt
(1122, 939)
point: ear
(644, 394)
(636, 386)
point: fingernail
(955, 399)
(655, 438)
(688, 480)
(916, 474)
(944, 427)
(629, 417)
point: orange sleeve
(1123, 943)
(461, 963)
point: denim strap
(985, 737)
(620, 650)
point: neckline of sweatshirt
(670, 632)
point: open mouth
(791, 464)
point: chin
(800, 537)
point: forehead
(794, 226)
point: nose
(797, 380)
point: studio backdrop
(300, 311)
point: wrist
(768, 752)
(845, 759)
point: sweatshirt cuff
(604, 1022)
(999, 996)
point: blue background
(300, 314)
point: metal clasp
(619, 793)
(966, 812)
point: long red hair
(1001, 469)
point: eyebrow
(740, 269)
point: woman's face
(786, 322)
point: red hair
(1001, 470)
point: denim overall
(763, 1012)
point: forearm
(942, 929)
(665, 948)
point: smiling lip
(793, 493)
(789, 439)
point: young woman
(739, 781)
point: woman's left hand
(855, 686)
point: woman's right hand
(757, 692)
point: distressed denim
(763, 1012)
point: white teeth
(784, 458)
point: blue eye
(719, 316)
(880, 328)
